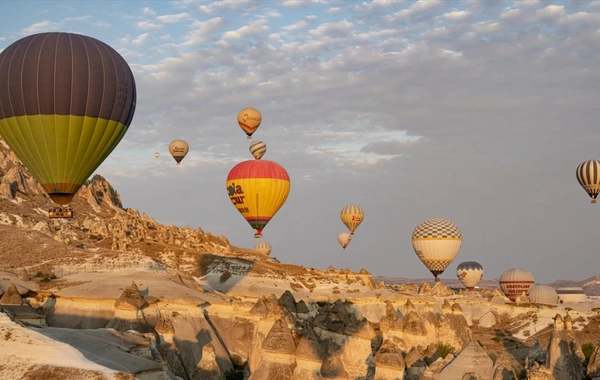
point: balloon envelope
(543, 294)
(156, 154)
(249, 120)
(258, 149)
(436, 242)
(258, 189)
(66, 101)
(263, 247)
(515, 282)
(352, 216)
(344, 239)
(178, 149)
(588, 175)
(469, 273)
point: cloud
(302, 24)
(202, 30)
(40, 27)
(139, 40)
(174, 18)
(147, 11)
(147, 25)
(457, 15)
(253, 29)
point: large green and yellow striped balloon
(66, 100)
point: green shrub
(39, 274)
(497, 339)
(588, 350)
(444, 349)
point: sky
(477, 112)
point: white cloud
(302, 24)
(171, 19)
(139, 40)
(553, 11)
(339, 28)
(510, 14)
(201, 30)
(40, 27)
(253, 29)
(147, 11)
(147, 25)
(457, 15)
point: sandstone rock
(472, 359)
(333, 368)
(414, 358)
(279, 339)
(536, 353)
(562, 359)
(130, 299)
(593, 367)
(390, 320)
(288, 302)
(301, 307)
(11, 296)
(537, 372)
(165, 326)
(503, 369)
(412, 324)
(389, 363)
(208, 368)
(310, 347)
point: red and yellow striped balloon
(258, 189)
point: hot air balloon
(156, 154)
(543, 294)
(344, 239)
(436, 242)
(588, 175)
(178, 149)
(515, 282)
(258, 189)
(352, 216)
(258, 149)
(263, 247)
(66, 100)
(469, 273)
(249, 120)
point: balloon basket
(594, 201)
(258, 235)
(60, 213)
(437, 279)
(249, 137)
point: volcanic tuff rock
(11, 296)
(472, 359)
(503, 369)
(388, 361)
(562, 357)
(208, 368)
(130, 299)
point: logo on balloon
(236, 194)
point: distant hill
(591, 285)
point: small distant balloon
(469, 273)
(263, 247)
(258, 149)
(249, 120)
(156, 155)
(178, 149)
(352, 216)
(588, 175)
(344, 239)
